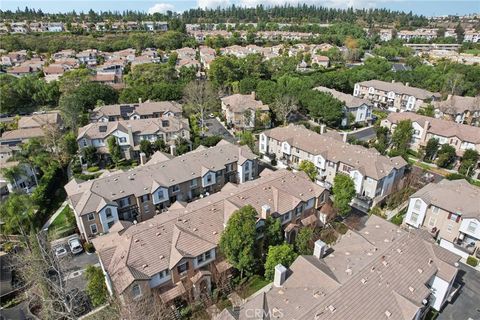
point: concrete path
(54, 216)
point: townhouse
(88, 57)
(134, 111)
(141, 193)
(33, 126)
(175, 255)
(377, 272)
(428, 34)
(449, 211)
(242, 111)
(460, 136)
(394, 96)
(375, 176)
(360, 109)
(460, 109)
(472, 36)
(385, 34)
(130, 133)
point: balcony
(466, 246)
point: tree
(273, 232)
(428, 111)
(69, 143)
(17, 213)
(200, 98)
(323, 107)
(343, 193)
(89, 154)
(248, 117)
(402, 136)
(237, 241)
(283, 106)
(114, 149)
(431, 149)
(146, 147)
(469, 162)
(446, 156)
(247, 139)
(382, 139)
(303, 242)
(309, 168)
(71, 110)
(282, 254)
(72, 79)
(96, 288)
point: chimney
(280, 275)
(449, 97)
(322, 129)
(143, 158)
(139, 100)
(253, 95)
(407, 84)
(130, 135)
(265, 211)
(345, 136)
(173, 149)
(320, 248)
(393, 81)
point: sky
(424, 7)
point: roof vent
(158, 234)
(411, 289)
(364, 280)
(144, 266)
(420, 270)
(399, 251)
(215, 232)
(331, 308)
(385, 263)
(388, 314)
(136, 240)
(430, 261)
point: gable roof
(399, 88)
(241, 102)
(349, 100)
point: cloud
(214, 3)
(161, 8)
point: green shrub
(93, 169)
(472, 261)
(88, 247)
(397, 219)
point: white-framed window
(247, 166)
(108, 213)
(136, 291)
(209, 178)
(160, 194)
(182, 268)
(91, 217)
(164, 273)
(122, 139)
(229, 167)
(298, 210)
(175, 188)
(432, 221)
(472, 226)
(417, 205)
(93, 228)
(84, 142)
(435, 210)
(193, 183)
(414, 217)
(450, 227)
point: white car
(60, 251)
(75, 245)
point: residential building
(450, 211)
(375, 176)
(141, 193)
(426, 47)
(134, 111)
(322, 61)
(428, 34)
(176, 255)
(377, 272)
(130, 133)
(472, 36)
(22, 180)
(242, 110)
(360, 109)
(88, 57)
(459, 136)
(394, 96)
(386, 34)
(460, 109)
(33, 126)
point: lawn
(252, 285)
(63, 225)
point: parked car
(61, 251)
(75, 245)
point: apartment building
(375, 176)
(361, 109)
(242, 110)
(32, 126)
(459, 136)
(176, 254)
(394, 96)
(130, 133)
(134, 111)
(428, 34)
(141, 193)
(377, 272)
(426, 47)
(472, 36)
(460, 109)
(450, 211)
(385, 34)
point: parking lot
(466, 305)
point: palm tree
(17, 215)
(12, 174)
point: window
(454, 217)
(418, 204)
(182, 268)
(449, 227)
(84, 142)
(93, 228)
(175, 188)
(136, 291)
(435, 210)
(209, 178)
(145, 197)
(414, 217)
(298, 210)
(164, 273)
(122, 139)
(229, 167)
(432, 221)
(160, 194)
(247, 166)
(110, 224)
(208, 255)
(108, 213)
(193, 183)
(91, 217)
(472, 226)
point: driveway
(215, 128)
(364, 134)
(467, 303)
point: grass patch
(472, 261)
(340, 227)
(252, 285)
(63, 225)
(397, 219)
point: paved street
(364, 134)
(466, 305)
(215, 128)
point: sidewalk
(54, 216)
